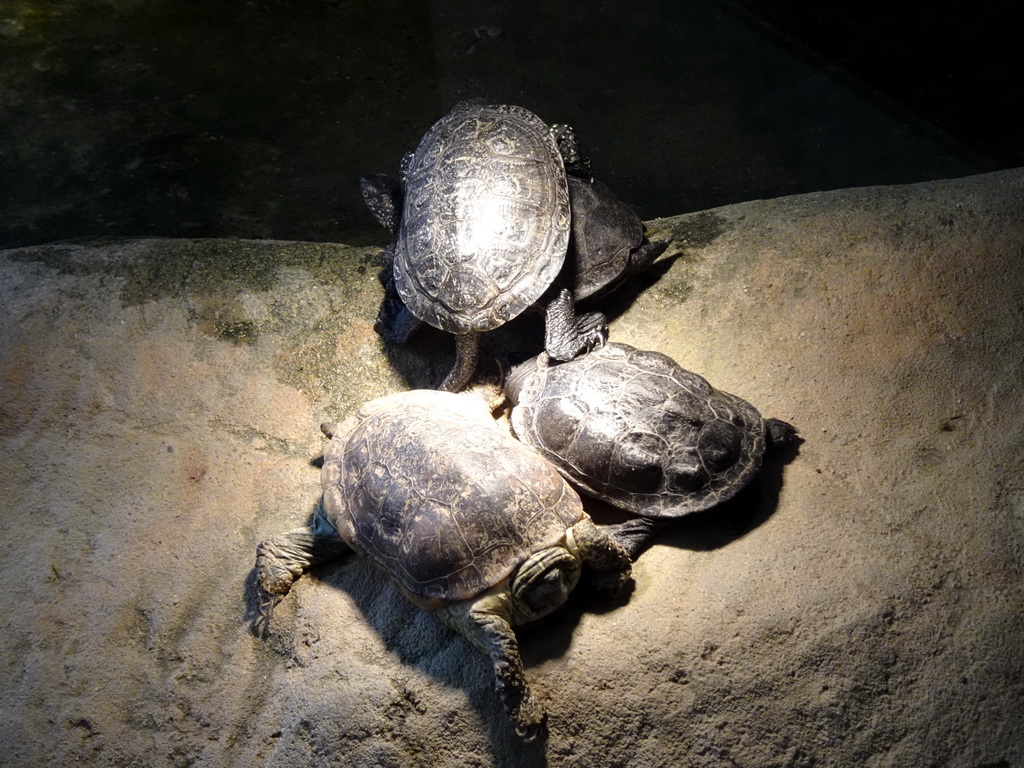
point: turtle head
(543, 583)
(383, 196)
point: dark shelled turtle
(636, 430)
(486, 536)
(607, 243)
(483, 229)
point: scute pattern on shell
(426, 486)
(485, 222)
(635, 429)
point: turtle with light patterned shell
(636, 430)
(482, 221)
(487, 535)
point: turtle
(486, 537)
(633, 428)
(606, 245)
(482, 220)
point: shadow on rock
(618, 302)
(417, 640)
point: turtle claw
(530, 720)
(266, 611)
(567, 336)
(592, 329)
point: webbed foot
(610, 567)
(610, 585)
(634, 534)
(274, 580)
(395, 323)
(592, 328)
(282, 559)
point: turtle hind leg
(467, 352)
(486, 623)
(566, 337)
(282, 559)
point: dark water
(255, 119)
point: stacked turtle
(495, 213)
(484, 215)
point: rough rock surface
(862, 605)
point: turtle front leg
(566, 337)
(609, 561)
(486, 623)
(282, 559)
(395, 323)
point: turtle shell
(428, 487)
(635, 429)
(485, 220)
(604, 232)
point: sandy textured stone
(862, 605)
